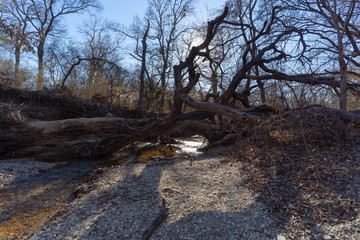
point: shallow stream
(27, 204)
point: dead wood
(230, 138)
(310, 149)
(100, 136)
(89, 137)
(160, 217)
(195, 115)
(9, 115)
(113, 142)
(60, 100)
(190, 66)
(345, 116)
(233, 113)
(86, 136)
(208, 130)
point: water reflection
(149, 152)
(191, 145)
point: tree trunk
(239, 76)
(214, 83)
(343, 74)
(40, 52)
(143, 69)
(261, 86)
(163, 86)
(165, 55)
(343, 84)
(89, 85)
(84, 136)
(341, 57)
(17, 64)
(262, 91)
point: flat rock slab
(206, 199)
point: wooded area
(256, 61)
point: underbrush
(304, 165)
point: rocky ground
(205, 197)
(208, 197)
(17, 169)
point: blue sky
(123, 11)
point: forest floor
(216, 197)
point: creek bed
(31, 200)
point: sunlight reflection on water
(191, 145)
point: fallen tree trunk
(85, 136)
(89, 137)
(233, 113)
(230, 138)
(210, 131)
(114, 142)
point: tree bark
(143, 69)
(343, 81)
(223, 110)
(86, 137)
(40, 53)
(189, 64)
(343, 71)
(17, 64)
(90, 80)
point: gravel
(206, 198)
(22, 168)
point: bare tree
(143, 68)
(334, 25)
(16, 31)
(271, 38)
(213, 70)
(58, 56)
(44, 17)
(165, 17)
(138, 33)
(100, 49)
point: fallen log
(89, 137)
(208, 130)
(112, 143)
(233, 113)
(230, 138)
(100, 135)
